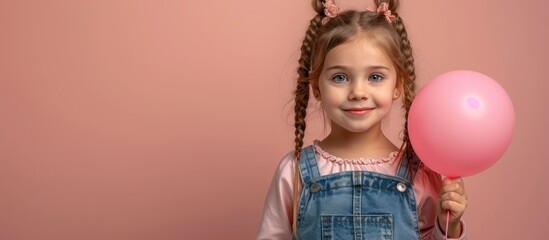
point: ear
(398, 89)
(316, 94)
(396, 94)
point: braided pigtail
(407, 76)
(408, 85)
(301, 92)
(408, 82)
(302, 97)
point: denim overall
(356, 204)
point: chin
(353, 126)
(357, 129)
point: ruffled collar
(362, 161)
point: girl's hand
(453, 199)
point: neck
(346, 144)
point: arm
(277, 217)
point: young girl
(355, 184)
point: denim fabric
(356, 204)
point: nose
(358, 91)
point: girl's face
(357, 85)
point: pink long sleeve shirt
(277, 213)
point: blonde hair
(319, 39)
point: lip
(358, 111)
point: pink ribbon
(384, 9)
(330, 10)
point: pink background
(166, 119)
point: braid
(302, 97)
(301, 102)
(409, 72)
(303, 83)
(408, 83)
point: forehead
(361, 50)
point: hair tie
(384, 9)
(330, 10)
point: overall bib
(356, 204)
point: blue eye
(375, 78)
(339, 78)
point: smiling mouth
(358, 111)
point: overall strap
(403, 169)
(307, 165)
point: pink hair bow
(330, 10)
(384, 9)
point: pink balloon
(461, 123)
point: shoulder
(287, 160)
(284, 173)
(427, 178)
(287, 163)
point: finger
(452, 180)
(454, 196)
(456, 208)
(453, 186)
(446, 181)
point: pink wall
(165, 119)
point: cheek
(384, 98)
(325, 94)
(320, 85)
(331, 96)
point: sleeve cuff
(440, 235)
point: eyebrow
(346, 68)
